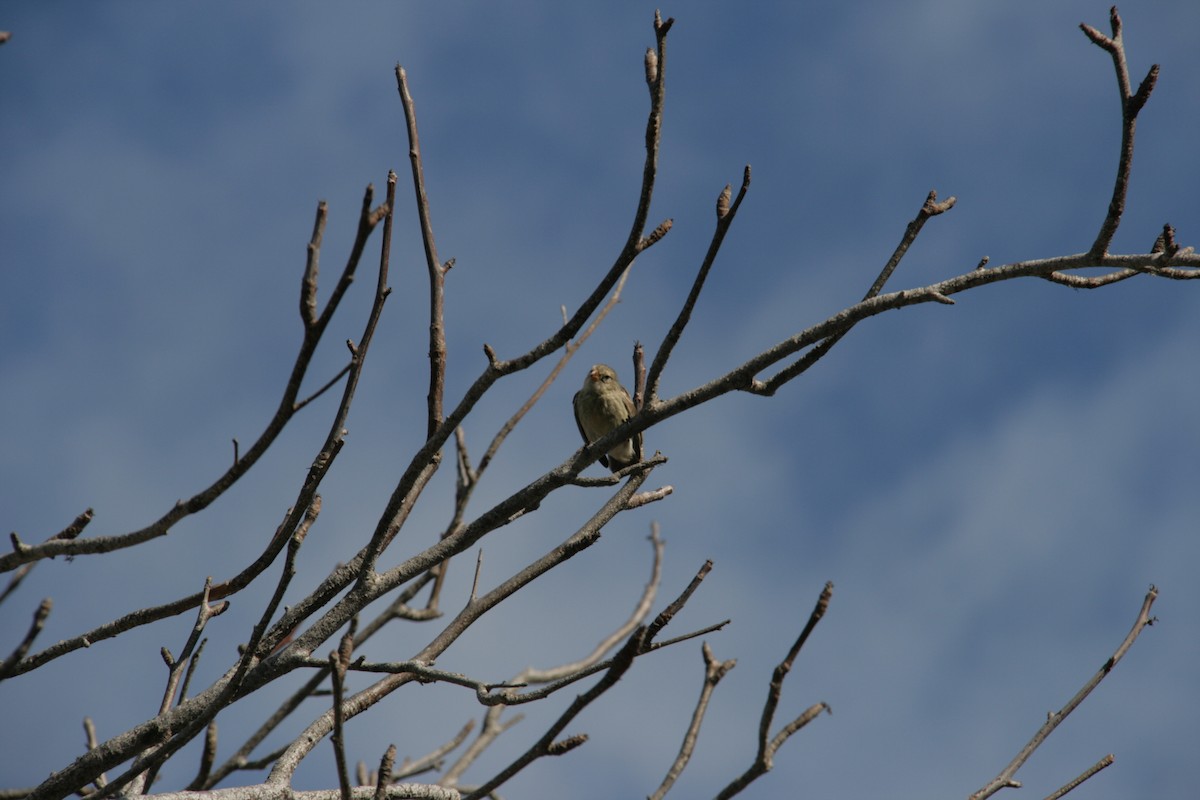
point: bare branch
(241, 758)
(434, 759)
(1006, 776)
(1131, 104)
(725, 217)
(337, 671)
(1087, 773)
(283, 414)
(208, 756)
(35, 627)
(385, 772)
(437, 274)
(176, 666)
(308, 286)
(637, 644)
(767, 746)
(931, 207)
(714, 671)
(275, 791)
(68, 533)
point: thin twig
(434, 759)
(469, 479)
(68, 533)
(931, 207)
(241, 758)
(725, 216)
(637, 644)
(437, 273)
(1053, 720)
(583, 538)
(768, 746)
(283, 414)
(337, 672)
(558, 677)
(1087, 773)
(714, 671)
(35, 627)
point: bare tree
(313, 643)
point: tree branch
(283, 414)
(437, 272)
(768, 746)
(1005, 778)
(1131, 104)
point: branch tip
(723, 201)
(662, 230)
(1143, 91)
(566, 745)
(651, 64)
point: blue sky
(991, 486)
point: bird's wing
(630, 410)
(579, 424)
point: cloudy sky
(991, 486)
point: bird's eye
(606, 378)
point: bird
(600, 406)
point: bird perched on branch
(600, 406)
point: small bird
(601, 405)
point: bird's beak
(594, 375)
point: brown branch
(175, 666)
(639, 500)
(1131, 104)
(437, 273)
(338, 660)
(227, 588)
(191, 670)
(1103, 763)
(384, 777)
(308, 285)
(569, 350)
(417, 473)
(273, 791)
(637, 644)
(558, 677)
(931, 207)
(329, 384)
(725, 217)
(583, 538)
(1053, 720)
(169, 736)
(468, 479)
(283, 414)
(435, 759)
(241, 758)
(68, 533)
(35, 627)
(768, 746)
(714, 671)
(208, 755)
(89, 730)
